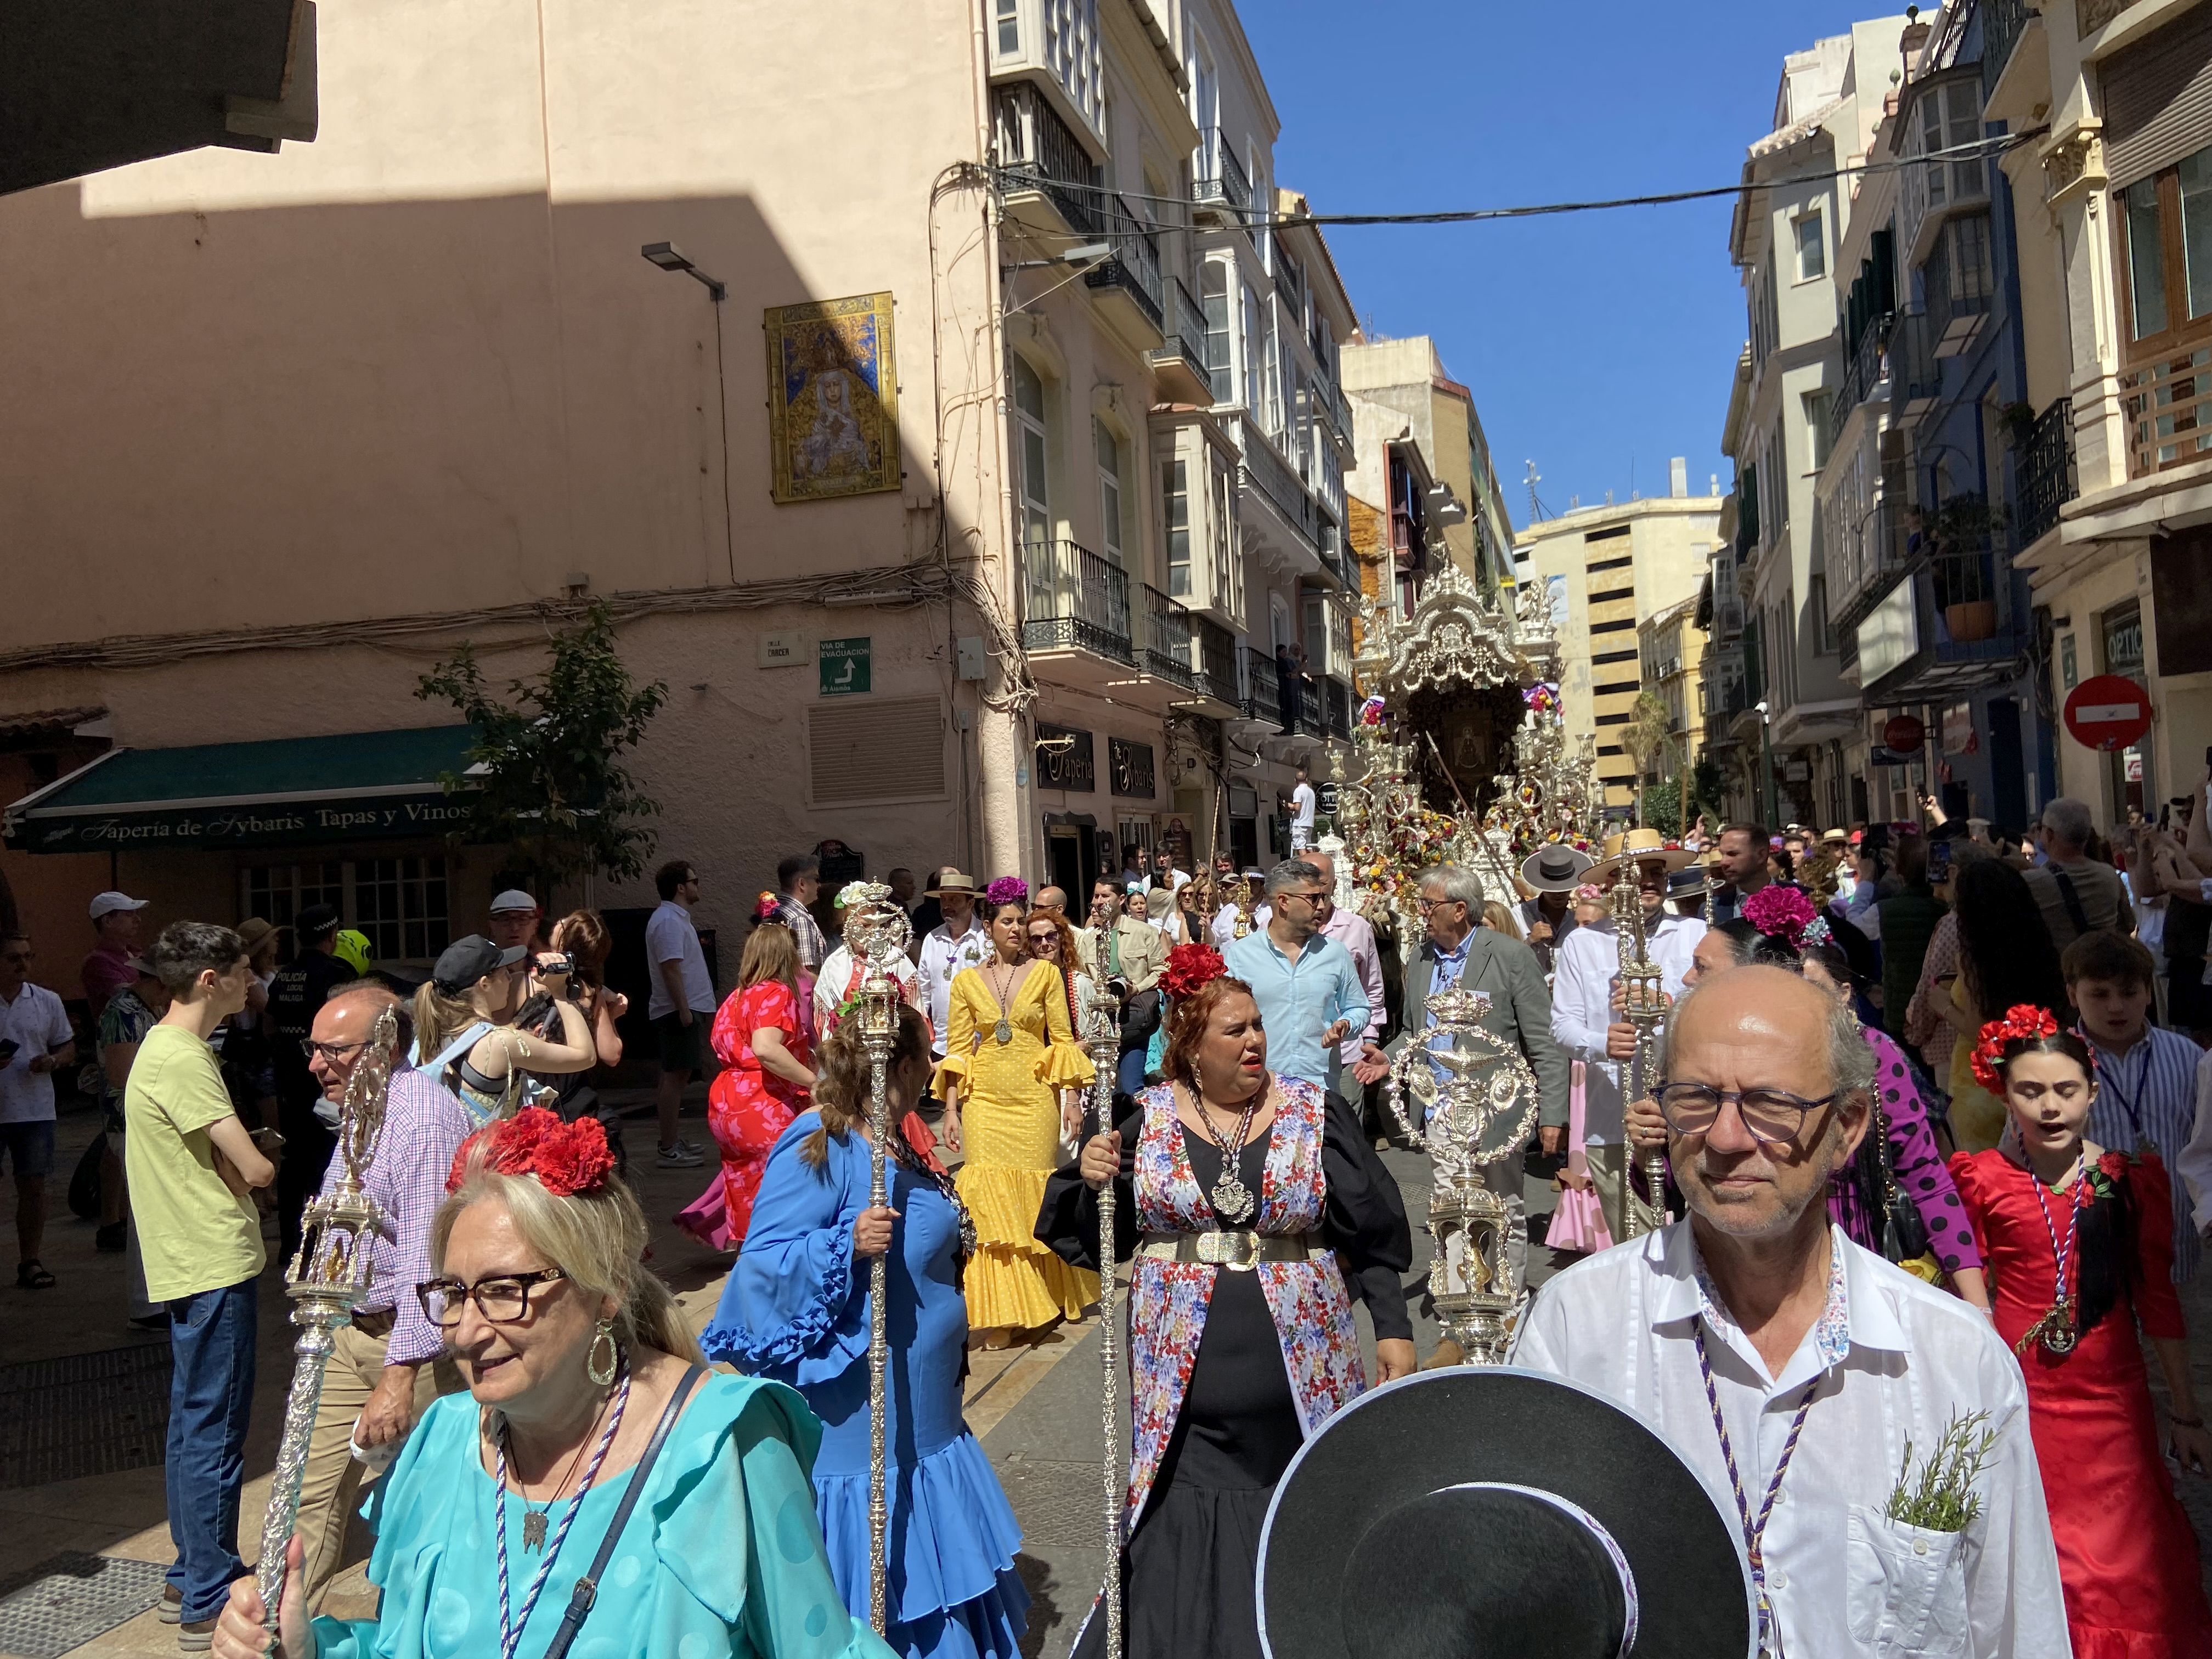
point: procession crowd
(1934, 1153)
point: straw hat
(1638, 846)
(953, 881)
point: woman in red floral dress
(2077, 1242)
(763, 1034)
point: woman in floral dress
(1259, 1200)
(761, 1034)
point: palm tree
(1650, 724)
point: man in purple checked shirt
(387, 1366)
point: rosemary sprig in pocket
(1942, 1498)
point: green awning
(357, 786)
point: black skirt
(1189, 1571)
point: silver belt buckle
(1237, 1251)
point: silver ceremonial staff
(876, 931)
(1105, 1043)
(1643, 1005)
(326, 1280)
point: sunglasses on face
(1041, 939)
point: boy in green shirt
(191, 1167)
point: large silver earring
(603, 1374)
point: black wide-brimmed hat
(1488, 1512)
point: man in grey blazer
(1459, 951)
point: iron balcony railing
(1185, 328)
(1165, 646)
(1290, 281)
(1969, 623)
(1263, 695)
(1134, 266)
(1221, 177)
(1217, 661)
(1336, 709)
(1077, 600)
(1864, 562)
(2002, 22)
(1299, 712)
(1862, 376)
(1916, 373)
(1036, 145)
(2047, 477)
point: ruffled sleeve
(1068, 1220)
(2150, 1195)
(1364, 1219)
(1062, 1065)
(734, 1532)
(960, 1032)
(793, 1309)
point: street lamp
(669, 256)
(1766, 765)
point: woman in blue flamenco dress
(796, 1310)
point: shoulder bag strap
(453, 1050)
(2071, 900)
(588, 1587)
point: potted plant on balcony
(1961, 553)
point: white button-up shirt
(1586, 966)
(1898, 1360)
(944, 954)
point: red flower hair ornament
(1191, 967)
(1780, 912)
(567, 1159)
(2023, 1020)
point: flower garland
(567, 1159)
(2023, 1022)
(1007, 890)
(767, 908)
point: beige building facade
(291, 427)
(2116, 327)
(1606, 571)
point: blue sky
(1598, 344)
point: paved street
(79, 1458)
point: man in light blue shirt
(1306, 984)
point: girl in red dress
(2078, 1242)
(763, 1034)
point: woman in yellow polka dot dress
(1008, 1081)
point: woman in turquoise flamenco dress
(578, 1362)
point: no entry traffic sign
(2107, 711)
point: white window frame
(1817, 218)
(1113, 516)
(1032, 496)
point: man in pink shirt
(108, 969)
(1356, 935)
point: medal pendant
(1231, 1198)
(2059, 1333)
(1004, 1031)
(533, 1529)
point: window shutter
(876, 748)
(2158, 99)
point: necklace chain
(1231, 1196)
(510, 1630)
(2055, 1330)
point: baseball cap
(107, 904)
(466, 961)
(512, 899)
